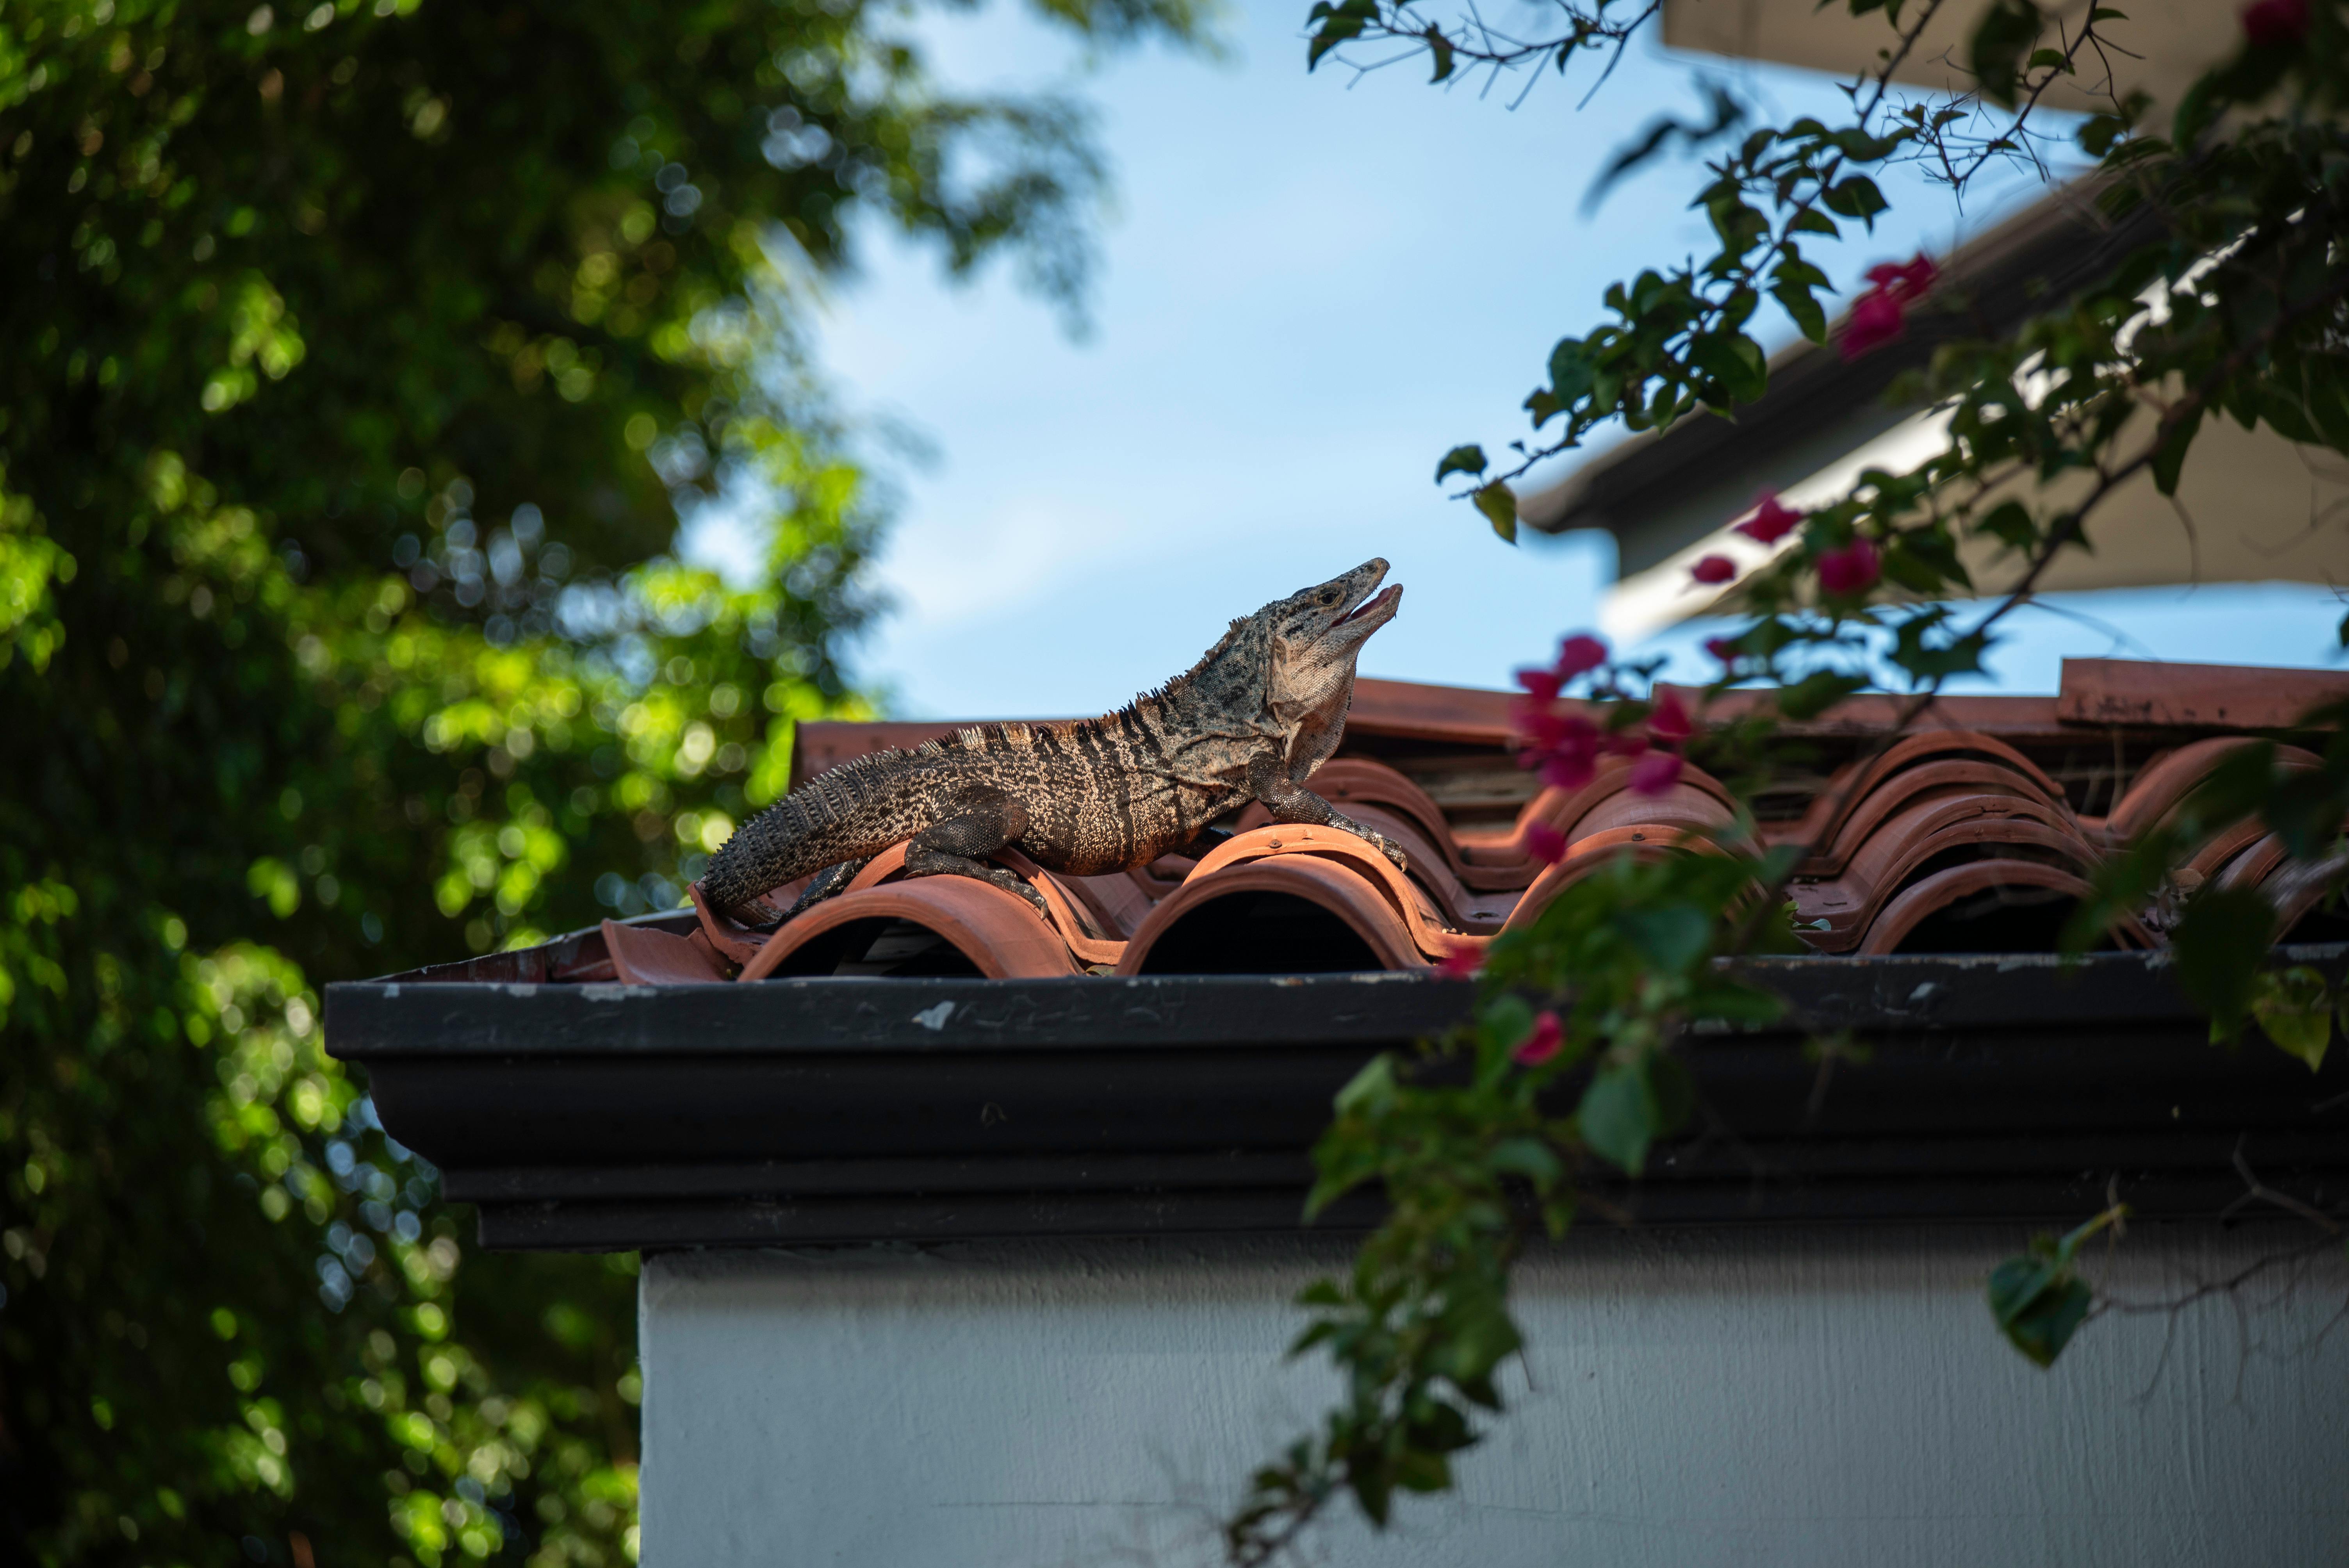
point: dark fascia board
(607, 1117)
(2029, 264)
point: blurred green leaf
(1619, 1118)
(1499, 505)
(1468, 459)
(2220, 942)
(1671, 938)
(2038, 1305)
(2294, 1009)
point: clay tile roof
(1976, 833)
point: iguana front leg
(1290, 801)
(984, 821)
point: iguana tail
(856, 809)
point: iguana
(1251, 720)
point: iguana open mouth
(1384, 598)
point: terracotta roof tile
(1937, 830)
(1217, 924)
(1594, 853)
(643, 956)
(933, 925)
(1988, 906)
(1971, 835)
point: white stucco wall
(1811, 1400)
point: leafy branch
(1680, 340)
(2236, 310)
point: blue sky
(1312, 287)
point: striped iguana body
(1251, 721)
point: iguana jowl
(1251, 720)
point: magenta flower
(1462, 960)
(1540, 685)
(1722, 649)
(1564, 746)
(1655, 773)
(1851, 570)
(1544, 843)
(1623, 743)
(1875, 321)
(1772, 520)
(1879, 315)
(1714, 569)
(1548, 1035)
(2270, 24)
(1906, 281)
(1568, 770)
(1579, 654)
(1669, 720)
(1552, 731)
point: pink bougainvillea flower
(2271, 23)
(1669, 718)
(1722, 649)
(1772, 520)
(1655, 773)
(1851, 570)
(1548, 1035)
(1541, 685)
(1875, 321)
(1553, 731)
(1879, 315)
(1714, 569)
(1462, 960)
(1904, 280)
(1579, 654)
(1568, 770)
(1564, 746)
(1544, 843)
(1623, 743)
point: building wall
(1807, 1398)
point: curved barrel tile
(1935, 780)
(1687, 805)
(1071, 917)
(1328, 884)
(1350, 782)
(1090, 944)
(1505, 855)
(998, 932)
(2162, 785)
(1854, 782)
(2257, 867)
(887, 866)
(2025, 883)
(1834, 915)
(738, 942)
(1465, 907)
(1118, 904)
(641, 957)
(1595, 852)
(1410, 902)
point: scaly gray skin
(1251, 721)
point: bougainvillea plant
(2239, 309)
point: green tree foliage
(354, 360)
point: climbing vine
(2235, 308)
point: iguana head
(1317, 632)
(1292, 662)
